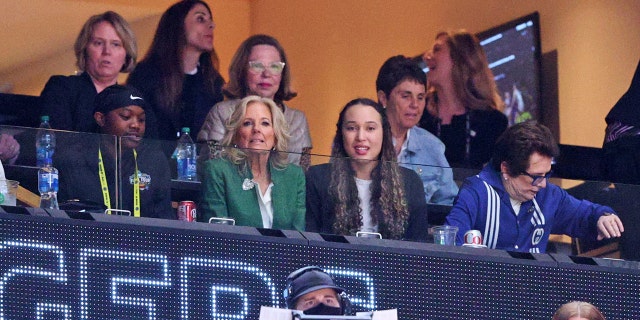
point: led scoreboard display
(81, 270)
(109, 267)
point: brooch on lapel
(248, 184)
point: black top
(79, 178)
(68, 101)
(195, 102)
(320, 217)
(627, 109)
(485, 126)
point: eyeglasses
(537, 179)
(257, 67)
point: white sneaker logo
(132, 97)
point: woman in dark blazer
(252, 181)
(362, 188)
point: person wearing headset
(313, 291)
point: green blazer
(224, 196)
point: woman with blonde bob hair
(464, 106)
(252, 181)
(578, 310)
(121, 28)
(104, 48)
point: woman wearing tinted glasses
(260, 67)
(515, 206)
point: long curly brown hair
(388, 201)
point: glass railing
(160, 192)
(624, 199)
(75, 157)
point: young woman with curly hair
(362, 188)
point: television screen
(513, 52)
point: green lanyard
(105, 187)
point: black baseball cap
(118, 96)
(309, 281)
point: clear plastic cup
(445, 235)
(8, 192)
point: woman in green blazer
(252, 181)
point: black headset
(343, 298)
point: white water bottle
(45, 143)
(186, 156)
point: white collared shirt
(515, 204)
(266, 208)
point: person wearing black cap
(313, 291)
(88, 169)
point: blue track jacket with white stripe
(483, 204)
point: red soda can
(473, 237)
(187, 211)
